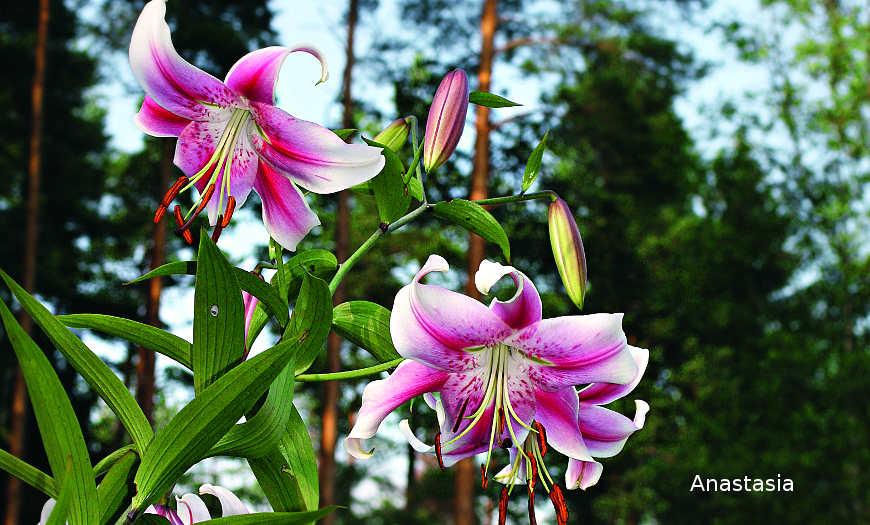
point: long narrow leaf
(273, 518)
(28, 474)
(475, 219)
(188, 437)
(140, 334)
(249, 282)
(218, 317)
(61, 435)
(116, 489)
(95, 372)
(288, 474)
(314, 302)
(288, 280)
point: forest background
(716, 153)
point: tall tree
(329, 414)
(31, 238)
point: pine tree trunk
(466, 474)
(329, 416)
(17, 435)
(145, 381)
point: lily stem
(350, 374)
(495, 201)
(367, 245)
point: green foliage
(475, 219)
(490, 100)
(58, 427)
(366, 325)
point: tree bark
(329, 416)
(18, 424)
(466, 474)
(145, 381)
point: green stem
(350, 374)
(367, 245)
(495, 201)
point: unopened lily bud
(446, 119)
(568, 250)
(394, 135)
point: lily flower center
(497, 361)
(217, 168)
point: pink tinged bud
(394, 135)
(568, 250)
(446, 119)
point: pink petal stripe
(171, 81)
(557, 412)
(315, 157)
(521, 310)
(286, 214)
(157, 122)
(381, 397)
(605, 431)
(255, 75)
(603, 393)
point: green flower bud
(568, 250)
(394, 135)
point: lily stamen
(179, 221)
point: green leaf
(137, 333)
(187, 438)
(288, 279)
(533, 165)
(288, 474)
(366, 325)
(345, 133)
(107, 462)
(265, 429)
(388, 186)
(247, 280)
(273, 518)
(218, 317)
(95, 372)
(490, 100)
(61, 435)
(63, 505)
(476, 219)
(116, 489)
(314, 303)
(28, 474)
(415, 189)
(262, 431)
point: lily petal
(158, 122)
(230, 504)
(313, 156)
(250, 302)
(173, 83)
(603, 393)
(578, 349)
(605, 431)
(286, 214)
(557, 412)
(582, 474)
(521, 310)
(191, 509)
(434, 325)
(255, 75)
(381, 397)
(47, 508)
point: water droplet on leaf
(213, 310)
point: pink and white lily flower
(502, 372)
(605, 431)
(232, 137)
(189, 508)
